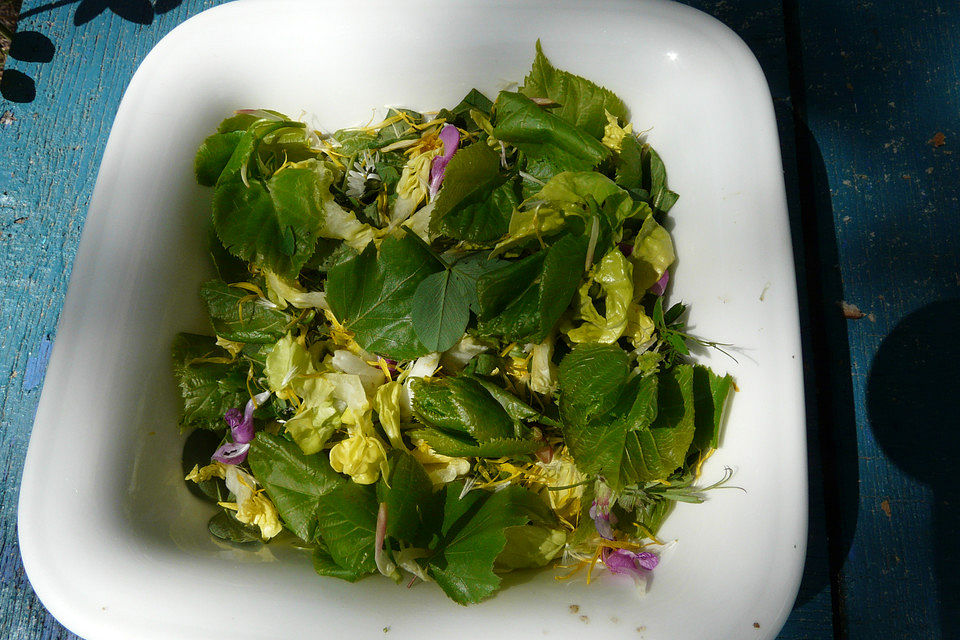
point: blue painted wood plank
(51, 148)
(881, 82)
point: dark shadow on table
(831, 421)
(913, 399)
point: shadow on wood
(914, 406)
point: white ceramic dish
(111, 540)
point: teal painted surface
(859, 89)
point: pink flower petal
(231, 453)
(660, 285)
(450, 137)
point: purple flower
(603, 518)
(451, 140)
(660, 285)
(231, 453)
(241, 431)
(629, 562)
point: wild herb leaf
(472, 536)
(208, 388)
(553, 144)
(213, 155)
(412, 510)
(324, 565)
(294, 482)
(709, 396)
(347, 523)
(226, 527)
(373, 295)
(581, 102)
(476, 200)
(238, 315)
(440, 310)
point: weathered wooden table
(868, 99)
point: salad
(440, 347)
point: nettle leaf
(582, 102)
(373, 295)
(208, 388)
(526, 309)
(347, 523)
(476, 201)
(236, 315)
(440, 310)
(472, 536)
(460, 114)
(551, 144)
(295, 482)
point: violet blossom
(603, 518)
(630, 562)
(241, 431)
(450, 137)
(660, 285)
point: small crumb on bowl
(574, 608)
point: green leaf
(461, 405)
(591, 378)
(709, 396)
(213, 155)
(535, 304)
(208, 388)
(582, 102)
(550, 142)
(656, 451)
(237, 317)
(226, 527)
(475, 202)
(655, 180)
(440, 310)
(460, 114)
(411, 505)
(373, 295)
(399, 130)
(472, 536)
(469, 269)
(295, 482)
(449, 444)
(325, 565)
(274, 223)
(347, 523)
(230, 268)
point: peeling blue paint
(37, 365)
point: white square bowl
(114, 544)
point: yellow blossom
(414, 184)
(441, 469)
(202, 474)
(361, 457)
(613, 133)
(234, 348)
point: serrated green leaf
(533, 305)
(472, 536)
(208, 388)
(582, 102)
(236, 317)
(462, 406)
(213, 155)
(440, 310)
(294, 482)
(373, 295)
(412, 508)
